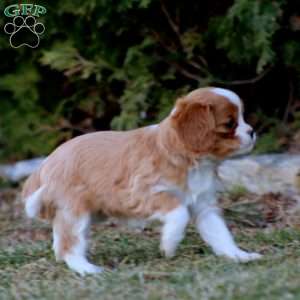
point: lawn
(135, 268)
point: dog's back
(77, 174)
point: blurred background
(121, 64)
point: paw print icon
(24, 32)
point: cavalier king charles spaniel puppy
(164, 172)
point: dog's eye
(231, 124)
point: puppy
(164, 172)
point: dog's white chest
(201, 182)
(201, 185)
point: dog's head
(210, 121)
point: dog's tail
(32, 195)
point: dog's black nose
(251, 133)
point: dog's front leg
(175, 223)
(175, 218)
(215, 233)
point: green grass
(135, 268)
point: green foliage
(269, 133)
(267, 143)
(121, 64)
(252, 25)
(296, 123)
(23, 120)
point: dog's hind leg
(70, 241)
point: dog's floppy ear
(194, 123)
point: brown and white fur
(161, 172)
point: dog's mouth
(244, 149)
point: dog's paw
(239, 255)
(80, 265)
(88, 269)
(168, 252)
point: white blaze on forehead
(231, 96)
(243, 129)
(234, 99)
